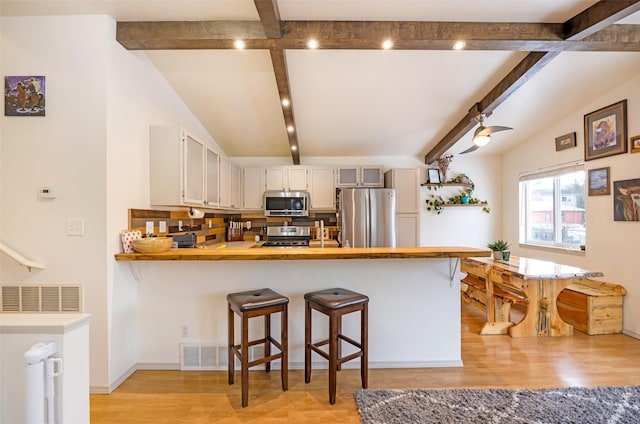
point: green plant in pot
(500, 250)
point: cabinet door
(212, 181)
(322, 188)
(276, 179)
(225, 183)
(253, 187)
(296, 179)
(407, 185)
(348, 176)
(371, 176)
(236, 177)
(408, 230)
(193, 179)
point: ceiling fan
(482, 134)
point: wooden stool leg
(364, 359)
(245, 360)
(284, 341)
(307, 342)
(333, 356)
(339, 325)
(267, 343)
(231, 341)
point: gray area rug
(614, 405)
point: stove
(289, 236)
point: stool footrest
(319, 351)
(350, 341)
(265, 359)
(349, 357)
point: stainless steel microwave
(286, 203)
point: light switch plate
(162, 226)
(75, 227)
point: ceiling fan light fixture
(481, 140)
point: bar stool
(335, 303)
(251, 304)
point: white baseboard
(105, 390)
(631, 334)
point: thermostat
(47, 192)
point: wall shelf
(447, 205)
(444, 185)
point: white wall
(92, 146)
(611, 247)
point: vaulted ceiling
(526, 63)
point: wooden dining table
(538, 281)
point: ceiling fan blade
(494, 129)
(470, 149)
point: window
(552, 207)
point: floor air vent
(41, 298)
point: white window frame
(555, 172)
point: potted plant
(499, 247)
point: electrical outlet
(149, 227)
(162, 226)
(75, 227)
(185, 330)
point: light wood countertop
(530, 269)
(257, 254)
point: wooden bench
(591, 306)
(474, 291)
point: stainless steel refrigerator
(367, 217)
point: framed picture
(434, 175)
(24, 95)
(599, 182)
(605, 131)
(566, 141)
(635, 144)
(626, 200)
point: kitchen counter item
(152, 244)
(287, 236)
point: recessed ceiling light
(239, 44)
(285, 102)
(294, 147)
(313, 43)
(387, 44)
(459, 45)
(290, 128)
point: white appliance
(367, 217)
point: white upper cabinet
(360, 176)
(287, 178)
(406, 181)
(253, 187)
(225, 183)
(177, 167)
(236, 186)
(322, 189)
(212, 180)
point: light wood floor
(160, 397)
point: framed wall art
(634, 142)
(626, 200)
(566, 141)
(605, 131)
(599, 182)
(433, 176)
(24, 95)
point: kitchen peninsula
(414, 313)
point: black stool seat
(336, 298)
(255, 299)
(252, 304)
(335, 303)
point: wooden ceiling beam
(270, 18)
(583, 25)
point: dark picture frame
(566, 141)
(24, 95)
(626, 200)
(599, 182)
(634, 144)
(433, 176)
(605, 131)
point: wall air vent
(41, 298)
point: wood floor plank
(161, 397)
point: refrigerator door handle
(367, 227)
